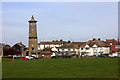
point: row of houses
(93, 47)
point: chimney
(93, 39)
(99, 39)
(61, 40)
(56, 40)
(68, 41)
(53, 41)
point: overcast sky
(76, 21)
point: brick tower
(33, 46)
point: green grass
(61, 68)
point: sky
(75, 21)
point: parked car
(29, 57)
(61, 56)
(24, 58)
(16, 56)
(34, 57)
(113, 55)
(53, 57)
(102, 56)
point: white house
(94, 47)
(43, 45)
(68, 48)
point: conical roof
(32, 19)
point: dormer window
(87, 48)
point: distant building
(95, 47)
(43, 45)
(46, 53)
(115, 49)
(68, 48)
(2, 47)
(111, 41)
(20, 47)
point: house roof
(99, 43)
(49, 43)
(110, 40)
(4, 45)
(20, 44)
(80, 43)
(69, 45)
(116, 43)
(46, 50)
(7, 46)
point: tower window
(32, 49)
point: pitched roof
(49, 43)
(69, 45)
(97, 42)
(80, 43)
(20, 44)
(110, 40)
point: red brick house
(115, 49)
(20, 47)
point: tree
(10, 51)
(83, 53)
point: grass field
(61, 68)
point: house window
(94, 48)
(73, 49)
(62, 49)
(95, 53)
(68, 49)
(110, 43)
(81, 48)
(87, 48)
(88, 53)
(118, 47)
(101, 47)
